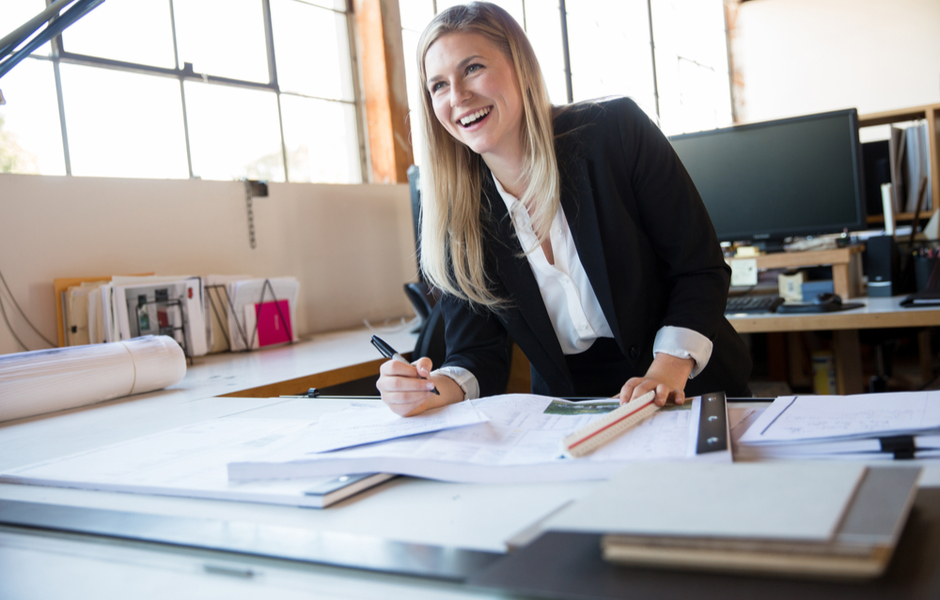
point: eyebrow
(460, 67)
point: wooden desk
(878, 313)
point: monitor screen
(769, 181)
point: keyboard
(760, 303)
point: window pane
(224, 38)
(513, 7)
(17, 12)
(339, 5)
(691, 65)
(543, 26)
(321, 139)
(233, 132)
(618, 31)
(138, 31)
(415, 15)
(123, 124)
(312, 49)
(30, 132)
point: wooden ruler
(597, 433)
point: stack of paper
(190, 461)
(870, 426)
(803, 519)
(33, 383)
(123, 308)
(519, 442)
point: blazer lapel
(577, 200)
(516, 276)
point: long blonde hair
(453, 214)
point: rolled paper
(44, 381)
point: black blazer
(647, 245)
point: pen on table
(389, 352)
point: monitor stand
(769, 246)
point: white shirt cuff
(684, 343)
(464, 378)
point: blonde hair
(453, 213)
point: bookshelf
(930, 113)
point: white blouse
(569, 298)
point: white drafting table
(51, 565)
(47, 565)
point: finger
(679, 397)
(662, 394)
(392, 385)
(641, 387)
(634, 388)
(397, 394)
(423, 366)
(644, 388)
(626, 392)
(394, 368)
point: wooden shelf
(904, 217)
(846, 266)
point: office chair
(430, 341)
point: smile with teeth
(474, 117)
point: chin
(479, 147)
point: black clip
(902, 446)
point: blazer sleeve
(677, 225)
(478, 342)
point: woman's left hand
(667, 376)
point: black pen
(389, 352)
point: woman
(575, 231)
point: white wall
(804, 56)
(351, 246)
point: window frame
(60, 54)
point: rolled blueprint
(33, 383)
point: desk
(53, 565)
(878, 313)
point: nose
(458, 94)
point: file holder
(168, 330)
(241, 326)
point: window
(214, 89)
(670, 56)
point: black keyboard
(761, 303)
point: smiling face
(475, 94)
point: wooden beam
(378, 36)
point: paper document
(775, 501)
(519, 443)
(814, 418)
(190, 461)
(362, 423)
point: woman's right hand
(407, 388)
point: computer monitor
(765, 182)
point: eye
(473, 67)
(436, 86)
